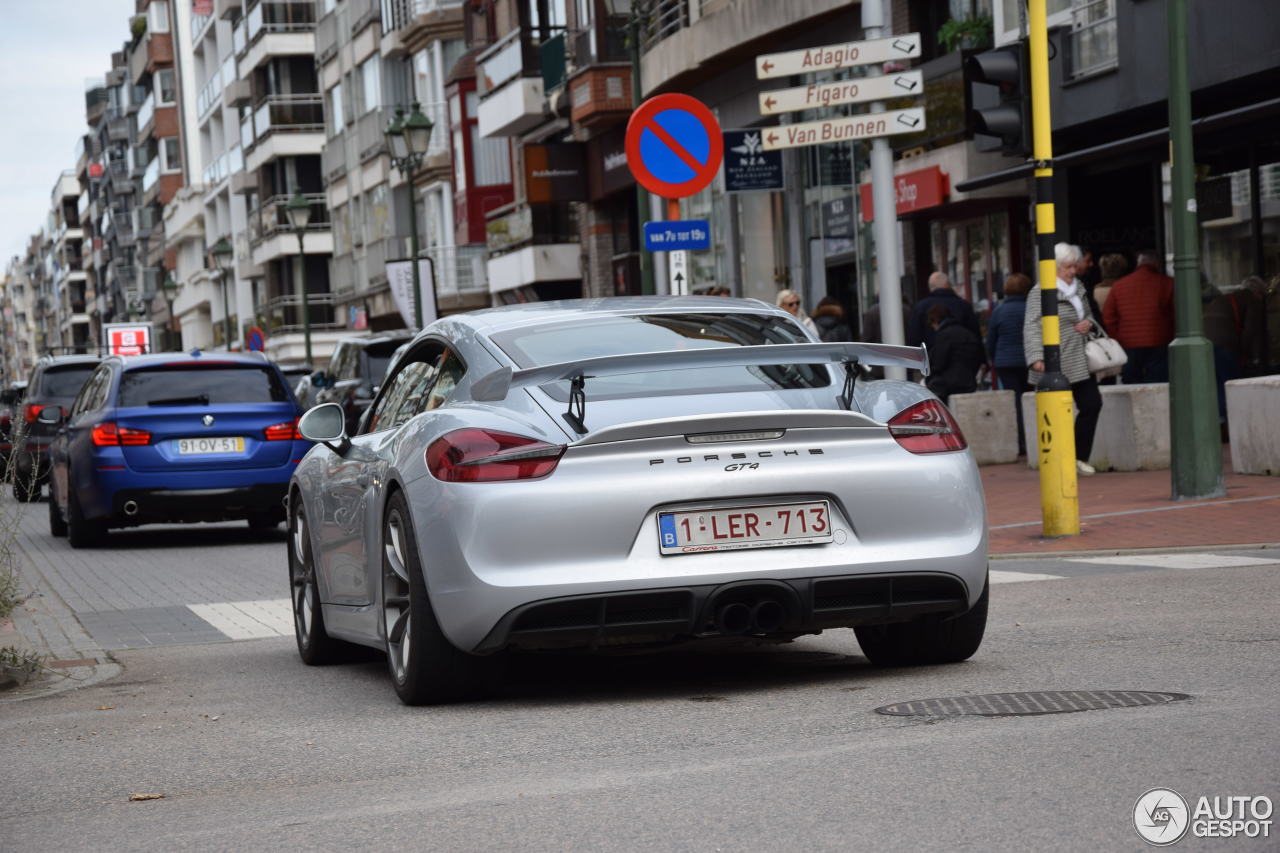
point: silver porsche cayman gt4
(634, 472)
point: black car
(355, 373)
(56, 381)
(10, 408)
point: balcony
(151, 176)
(270, 218)
(285, 313)
(210, 94)
(333, 159)
(145, 115)
(362, 13)
(369, 128)
(326, 38)
(118, 129)
(279, 28)
(511, 101)
(461, 276)
(238, 92)
(285, 126)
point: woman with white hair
(1075, 322)
(789, 301)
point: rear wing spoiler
(495, 386)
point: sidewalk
(1131, 509)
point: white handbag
(1105, 355)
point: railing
(459, 269)
(210, 93)
(502, 62)
(285, 312)
(665, 18)
(552, 57)
(326, 38)
(216, 171)
(362, 13)
(246, 130)
(602, 43)
(294, 113)
(271, 218)
(280, 16)
(118, 129)
(239, 40)
(400, 13)
(539, 224)
(146, 112)
(1092, 45)
(151, 175)
(333, 158)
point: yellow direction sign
(855, 91)
(866, 126)
(834, 56)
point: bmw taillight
(33, 412)
(111, 435)
(486, 456)
(287, 431)
(927, 427)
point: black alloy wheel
(315, 646)
(426, 668)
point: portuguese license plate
(210, 446)
(766, 526)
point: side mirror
(50, 415)
(327, 425)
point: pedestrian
(1139, 314)
(1113, 266)
(940, 293)
(871, 329)
(1004, 345)
(829, 318)
(1075, 322)
(789, 301)
(956, 355)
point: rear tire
(57, 524)
(426, 668)
(82, 532)
(929, 640)
(315, 646)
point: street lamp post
(407, 140)
(636, 12)
(224, 257)
(299, 212)
(170, 289)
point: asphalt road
(714, 748)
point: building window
(170, 154)
(1008, 25)
(166, 91)
(336, 122)
(370, 83)
(1093, 44)
(348, 113)
(493, 159)
(158, 18)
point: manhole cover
(1028, 704)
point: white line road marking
(248, 620)
(997, 576)
(1178, 561)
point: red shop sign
(914, 191)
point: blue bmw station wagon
(173, 437)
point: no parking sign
(674, 146)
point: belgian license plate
(221, 444)
(767, 526)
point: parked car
(54, 384)
(355, 373)
(10, 406)
(633, 472)
(173, 437)
(297, 375)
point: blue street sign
(675, 235)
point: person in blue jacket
(1004, 345)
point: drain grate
(1029, 704)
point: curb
(1120, 552)
(67, 678)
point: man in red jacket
(1139, 314)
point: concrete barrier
(989, 424)
(1133, 429)
(1253, 419)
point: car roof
(494, 320)
(132, 362)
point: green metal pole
(226, 306)
(1196, 446)
(413, 248)
(306, 299)
(642, 195)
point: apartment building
(18, 316)
(258, 131)
(67, 284)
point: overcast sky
(48, 48)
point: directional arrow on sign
(855, 91)
(832, 56)
(866, 126)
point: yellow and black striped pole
(1055, 421)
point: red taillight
(927, 427)
(287, 431)
(33, 412)
(485, 456)
(111, 435)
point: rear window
(551, 344)
(191, 385)
(65, 381)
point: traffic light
(999, 114)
